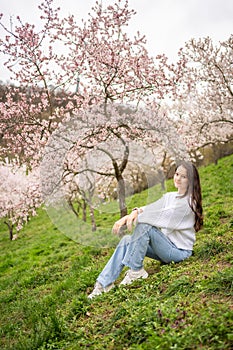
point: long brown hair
(194, 192)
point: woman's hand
(118, 224)
(132, 218)
(127, 220)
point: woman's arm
(175, 213)
(127, 220)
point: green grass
(45, 278)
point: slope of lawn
(45, 278)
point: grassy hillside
(45, 278)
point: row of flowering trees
(86, 96)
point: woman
(165, 231)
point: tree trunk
(72, 208)
(92, 215)
(215, 148)
(10, 227)
(121, 196)
(84, 211)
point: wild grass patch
(45, 278)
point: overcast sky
(167, 24)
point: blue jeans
(146, 240)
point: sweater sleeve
(171, 212)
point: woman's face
(181, 180)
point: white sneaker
(99, 289)
(132, 275)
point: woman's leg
(130, 252)
(114, 266)
(162, 249)
(154, 244)
(146, 240)
(137, 247)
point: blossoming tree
(20, 196)
(105, 66)
(206, 95)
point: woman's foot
(99, 289)
(132, 275)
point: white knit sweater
(174, 217)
